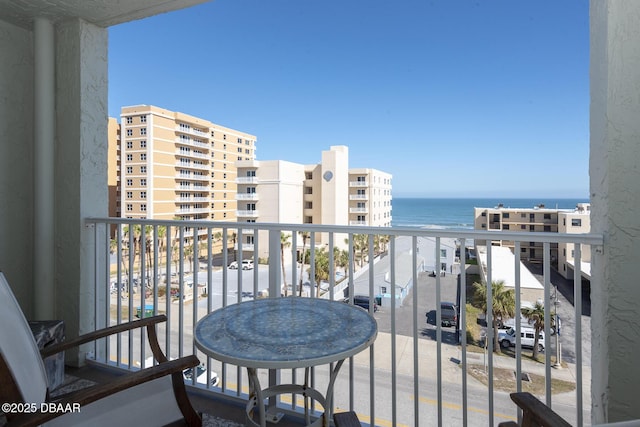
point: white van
(527, 338)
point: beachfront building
(533, 220)
(171, 165)
(369, 198)
(574, 222)
(324, 193)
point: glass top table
(291, 332)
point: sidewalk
(451, 357)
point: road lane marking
(455, 406)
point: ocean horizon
(457, 213)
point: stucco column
(81, 171)
(43, 185)
(615, 203)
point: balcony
(247, 196)
(358, 184)
(358, 222)
(358, 197)
(246, 180)
(434, 369)
(247, 213)
(358, 210)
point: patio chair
(148, 397)
(534, 413)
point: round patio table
(286, 333)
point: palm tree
(360, 245)
(321, 267)
(536, 315)
(503, 304)
(305, 235)
(284, 243)
(234, 238)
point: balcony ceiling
(103, 13)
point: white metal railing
(412, 375)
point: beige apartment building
(539, 219)
(324, 193)
(175, 166)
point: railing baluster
(438, 330)
(577, 298)
(392, 284)
(546, 265)
(490, 330)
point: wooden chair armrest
(536, 413)
(92, 394)
(101, 333)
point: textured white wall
(615, 205)
(81, 165)
(16, 160)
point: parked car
(247, 264)
(527, 338)
(187, 374)
(201, 375)
(362, 301)
(448, 314)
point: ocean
(458, 213)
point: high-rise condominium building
(176, 166)
(324, 193)
(539, 219)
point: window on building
(143, 157)
(129, 132)
(576, 222)
(308, 205)
(129, 120)
(143, 119)
(143, 144)
(129, 169)
(143, 207)
(523, 227)
(239, 149)
(505, 214)
(308, 175)
(129, 194)
(129, 157)
(143, 131)
(443, 253)
(129, 182)
(547, 228)
(129, 207)
(143, 194)
(308, 190)
(143, 169)
(483, 214)
(505, 226)
(547, 216)
(129, 144)
(143, 182)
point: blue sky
(454, 98)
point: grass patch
(505, 380)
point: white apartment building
(539, 219)
(324, 193)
